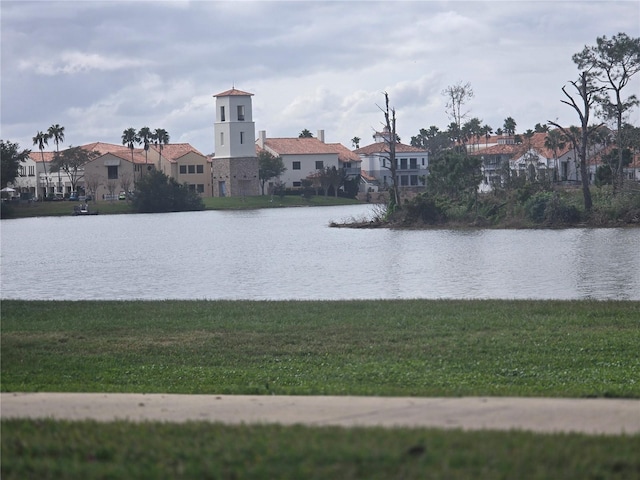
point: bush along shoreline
(532, 206)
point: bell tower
(235, 164)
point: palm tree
(41, 139)
(160, 137)
(486, 131)
(555, 141)
(144, 136)
(509, 126)
(129, 138)
(57, 133)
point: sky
(100, 67)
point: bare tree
(613, 62)
(72, 162)
(125, 183)
(92, 182)
(457, 96)
(390, 141)
(111, 189)
(579, 138)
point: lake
(292, 253)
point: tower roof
(233, 92)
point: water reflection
(293, 254)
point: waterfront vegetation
(527, 206)
(407, 347)
(386, 347)
(63, 208)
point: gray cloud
(100, 67)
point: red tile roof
(170, 152)
(173, 151)
(299, 146)
(536, 142)
(309, 146)
(344, 154)
(233, 92)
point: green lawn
(119, 450)
(392, 348)
(49, 209)
(410, 347)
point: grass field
(65, 208)
(392, 348)
(119, 450)
(411, 347)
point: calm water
(291, 253)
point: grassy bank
(391, 348)
(64, 208)
(88, 450)
(580, 349)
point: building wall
(234, 136)
(195, 171)
(292, 177)
(373, 165)
(99, 169)
(233, 177)
(27, 179)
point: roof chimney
(321, 135)
(262, 136)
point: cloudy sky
(99, 67)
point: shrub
(430, 209)
(550, 208)
(536, 205)
(156, 192)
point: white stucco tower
(235, 164)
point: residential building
(26, 182)
(533, 159)
(235, 163)
(304, 157)
(412, 163)
(185, 164)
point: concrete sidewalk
(593, 416)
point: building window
(112, 172)
(192, 187)
(241, 113)
(221, 138)
(319, 164)
(200, 188)
(192, 169)
(297, 184)
(296, 165)
(20, 171)
(241, 138)
(414, 180)
(403, 164)
(199, 168)
(32, 171)
(413, 163)
(404, 180)
(222, 119)
(183, 169)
